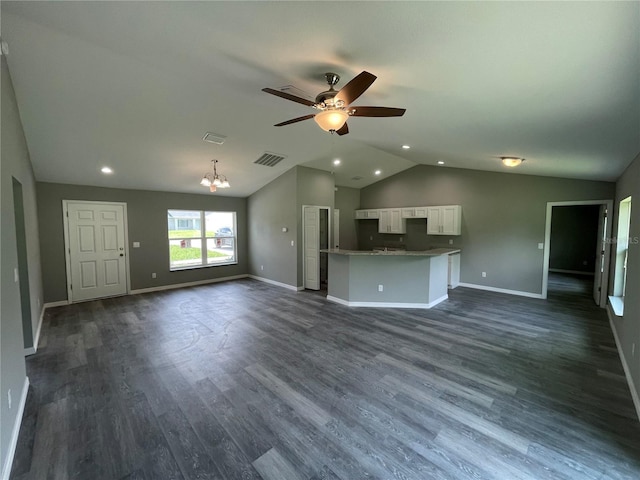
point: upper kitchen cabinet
(365, 214)
(444, 220)
(414, 212)
(391, 221)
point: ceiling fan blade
(288, 96)
(294, 120)
(376, 112)
(355, 87)
(343, 130)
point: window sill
(195, 267)
(617, 305)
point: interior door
(311, 222)
(96, 250)
(600, 255)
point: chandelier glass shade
(214, 180)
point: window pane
(183, 223)
(220, 250)
(185, 253)
(220, 224)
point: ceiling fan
(335, 105)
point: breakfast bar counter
(391, 279)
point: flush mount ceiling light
(511, 161)
(106, 170)
(214, 181)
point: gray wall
(270, 209)
(503, 217)
(574, 238)
(628, 327)
(15, 164)
(347, 200)
(279, 204)
(147, 224)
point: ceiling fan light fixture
(511, 161)
(329, 120)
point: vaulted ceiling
(135, 86)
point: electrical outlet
(292, 244)
(541, 246)
(484, 274)
(370, 237)
(380, 288)
(153, 275)
(401, 238)
(9, 398)
(451, 241)
(261, 267)
(136, 244)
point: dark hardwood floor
(243, 380)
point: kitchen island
(390, 279)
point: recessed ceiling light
(511, 161)
(336, 161)
(106, 170)
(377, 172)
(406, 147)
(440, 162)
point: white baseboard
(13, 442)
(36, 338)
(55, 304)
(501, 290)
(386, 304)
(278, 284)
(186, 284)
(575, 272)
(627, 373)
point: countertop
(434, 252)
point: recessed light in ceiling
(511, 161)
(377, 172)
(440, 162)
(406, 147)
(337, 161)
(106, 170)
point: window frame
(622, 254)
(203, 238)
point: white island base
(387, 279)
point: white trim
(186, 284)
(616, 304)
(574, 272)
(278, 284)
(59, 303)
(627, 373)
(36, 338)
(304, 241)
(501, 290)
(607, 246)
(13, 442)
(387, 304)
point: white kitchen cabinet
(365, 214)
(391, 221)
(414, 212)
(444, 220)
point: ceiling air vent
(269, 159)
(214, 138)
(356, 178)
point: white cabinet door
(365, 214)
(420, 212)
(433, 220)
(391, 221)
(408, 212)
(384, 222)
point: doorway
(23, 266)
(576, 253)
(95, 249)
(316, 235)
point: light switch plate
(541, 246)
(136, 244)
(16, 277)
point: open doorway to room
(576, 253)
(316, 235)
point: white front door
(311, 222)
(600, 256)
(95, 243)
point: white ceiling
(135, 85)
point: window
(622, 253)
(201, 239)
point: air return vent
(269, 159)
(214, 138)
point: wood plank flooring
(243, 380)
